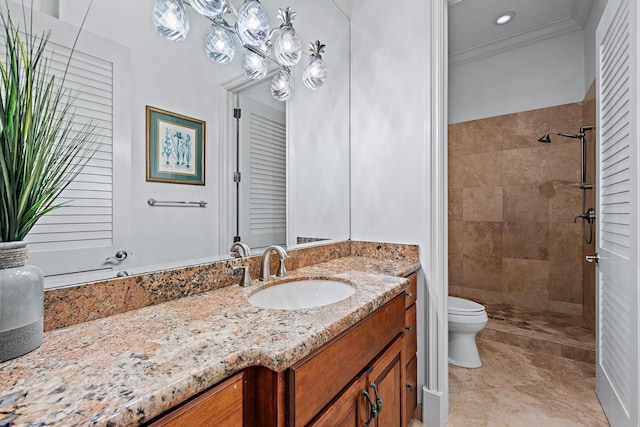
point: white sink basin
(302, 294)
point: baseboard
(434, 409)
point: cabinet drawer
(317, 379)
(411, 334)
(411, 384)
(411, 291)
(220, 406)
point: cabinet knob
(408, 294)
(410, 386)
(409, 329)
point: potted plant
(42, 149)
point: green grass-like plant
(41, 149)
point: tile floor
(538, 370)
(522, 388)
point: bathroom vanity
(326, 388)
(214, 354)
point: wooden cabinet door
(386, 376)
(348, 409)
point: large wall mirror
(178, 77)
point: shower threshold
(545, 332)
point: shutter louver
(268, 175)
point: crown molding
(580, 10)
(563, 26)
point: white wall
(389, 147)
(590, 42)
(547, 73)
(319, 145)
(179, 77)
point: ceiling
(473, 35)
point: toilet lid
(462, 306)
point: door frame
(228, 100)
(435, 399)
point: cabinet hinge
(237, 112)
(237, 177)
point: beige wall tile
(565, 243)
(522, 130)
(482, 204)
(565, 202)
(456, 237)
(563, 160)
(482, 136)
(525, 204)
(565, 282)
(455, 204)
(524, 166)
(455, 271)
(526, 276)
(525, 240)
(481, 272)
(456, 172)
(483, 295)
(482, 169)
(482, 239)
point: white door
(72, 243)
(617, 190)
(263, 198)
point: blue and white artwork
(177, 153)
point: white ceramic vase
(21, 302)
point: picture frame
(175, 148)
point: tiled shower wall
(511, 208)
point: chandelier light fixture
(252, 30)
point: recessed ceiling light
(504, 17)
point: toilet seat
(463, 307)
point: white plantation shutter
(268, 175)
(71, 244)
(618, 366)
(86, 219)
(263, 185)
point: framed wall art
(175, 148)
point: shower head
(545, 139)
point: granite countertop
(128, 368)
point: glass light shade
(282, 85)
(315, 73)
(253, 23)
(219, 45)
(287, 47)
(254, 65)
(171, 20)
(208, 7)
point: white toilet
(466, 319)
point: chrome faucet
(240, 250)
(264, 270)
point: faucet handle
(245, 280)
